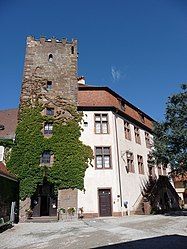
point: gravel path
(155, 232)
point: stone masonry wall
(61, 69)
(56, 62)
(67, 198)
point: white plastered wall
(131, 183)
(96, 178)
(2, 153)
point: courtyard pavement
(129, 232)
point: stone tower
(50, 78)
(50, 70)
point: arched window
(50, 58)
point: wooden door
(44, 206)
(44, 202)
(105, 207)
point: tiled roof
(4, 171)
(8, 123)
(88, 97)
(93, 96)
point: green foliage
(71, 156)
(171, 135)
(6, 142)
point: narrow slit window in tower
(50, 58)
(72, 49)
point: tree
(170, 136)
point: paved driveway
(137, 232)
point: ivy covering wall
(71, 156)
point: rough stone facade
(67, 198)
(50, 62)
(24, 205)
(50, 77)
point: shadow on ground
(163, 242)
(177, 213)
(5, 227)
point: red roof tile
(8, 119)
(4, 171)
(88, 96)
(91, 96)
(3, 168)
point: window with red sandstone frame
(102, 158)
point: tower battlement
(43, 39)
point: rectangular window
(103, 158)
(46, 157)
(159, 169)
(127, 130)
(101, 123)
(130, 162)
(137, 135)
(48, 128)
(151, 166)
(49, 85)
(147, 140)
(50, 111)
(140, 164)
(85, 124)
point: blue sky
(137, 48)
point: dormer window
(50, 58)
(122, 105)
(49, 85)
(142, 117)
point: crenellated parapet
(43, 39)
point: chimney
(81, 80)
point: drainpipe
(119, 172)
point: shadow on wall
(161, 195)
(163, 242)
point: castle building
(119, 134)
(121, 137)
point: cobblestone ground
(141, 232)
